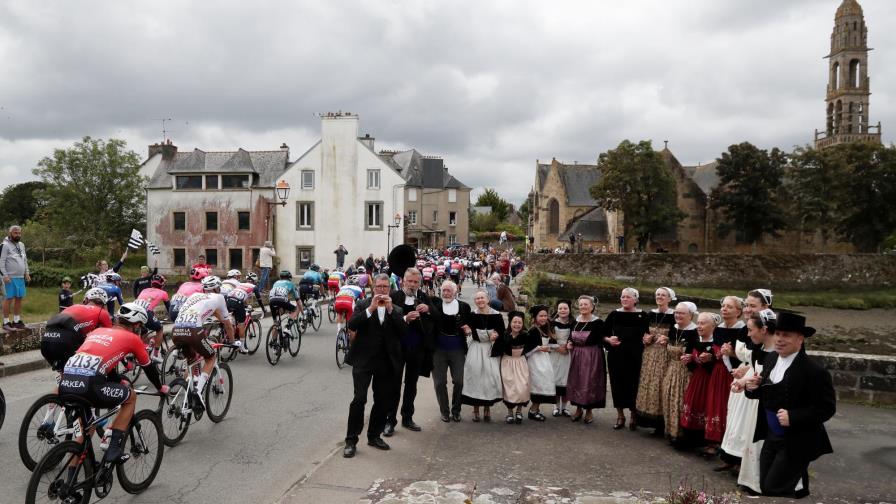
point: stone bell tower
(849, 87)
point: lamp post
(397, 223)
(282, 192)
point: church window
(855, 70)
(553, 216)
(835, 76)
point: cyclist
(335, 281)
(112, 286)
(363, 279)
(232, 281)
(278, 297)
(311, 283)
(90, 372)
(186, 290)
(190, 336)
(66, 330)
(344, 304)
(236, 305)
(250, 286)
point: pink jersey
(151, 297)
(187, 289)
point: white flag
(136, 240)
(153, 248)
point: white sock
(200, 381)
(16, 318)
(7, 320)
(339, 327)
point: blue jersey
(282, 289)
(312, 277)
(114, 293)
(351, 290)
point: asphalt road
(283, 421)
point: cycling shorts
(98, 390)
(281, 304)
(236, 308)
(58, 344)
(192, 341)
(344, 305)
(333, 285)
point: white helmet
(361, 269)
(234, 273)
(238, 294)
(211, 283)
(98, 295)
(132, 313)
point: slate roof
(592, 225)
(577, 180)
(422, 171)
(705, 176)
(541, 174)
(267, 165)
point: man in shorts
(278, 297)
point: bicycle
(181, 406)
(45, 425)
(174, 364)
(70, 472)
(312, 316)
(331, 311)
(278, 338)
(342, 347)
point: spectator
(503, 300)
(102, 268)
(369, 264)
(265, 262)
(340, 252)
(201, 264)
(65, 294)
(145, 280)
(15, 273)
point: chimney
(367, 140)
(167, 149)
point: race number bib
(83, 364)
(279, 292)
(144, 303)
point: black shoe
(455, 417)
(537, 416)
(19, 325)
(349, 450)
(115, 452)
(377, 443)
(410, 425)
(446, 418)
(389, 430)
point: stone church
(562, 205)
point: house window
(235, 181)
(235, 258)
(452, 218)
(373, 179)
(412, 194)
(452, 195)
(435, 216)
(243, 221)
(180, 257)
(211, 221)
(211, 183)
(179, 221)
(374, 216)
(307, 179)
(304, 257)
(412, 217)
(452, 239)
(186, 182)
(211, 256)
(256, 252)
(305, 215)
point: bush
(51, 276)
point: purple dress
(586, 386)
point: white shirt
(781, 367)
(380, 313)
(265, 257)
(451, 308)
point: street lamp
(282, 192)
(397, 223)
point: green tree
(634, 179)
(490, 198)
(20, 203)
(524, 212)
(749, 183)
(483, 222)
(814, 184)
(868, 202)
(94, 191)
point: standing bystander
(340, 252)
(265, 262)
(14, 270)
(66, 298)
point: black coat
(373, 341)
(462, 318)
(424, 325)
(807, 393)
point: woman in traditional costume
(700, 359)
(649, 404)
(725, 335)
(512, 347)
(675, 381)
(625, 329)
(541, 371)
(586, 387)
(562, 326)
(482, 372)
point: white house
(341, 193)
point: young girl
(675, 381)
(562, 325)
(625, 328)
(700, 359)
(656, 359)
(512, 348)
(724, 337)
(587, 383)
(482, 372)
(541, 372)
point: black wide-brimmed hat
(401, 258)
(515, 313)
(793, 323)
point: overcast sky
(489, 85)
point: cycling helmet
(286, 275)
(97, 295)
(251, 276)
(361, 269)
(198, 273)
(238, 294)
(339, 268)
(158, 281)
(132, 313)
(113, 277)
(234, 273)
(315, 267)
(353, 280)
(211, 283)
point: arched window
(838, 116)
(692, 248)
(553, 216)
(855, 71)
(830, 123)
(835, 76)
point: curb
(23, 367)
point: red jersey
(103, 349)
(151, 297)
(82, 318)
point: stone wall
(784, 271)
(858, 377)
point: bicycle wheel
(294, 340)
(303, 323)
(173, 365)
(145, 444)
(225, 354)
(331, 312)
(341, 348)
(175, 413)
(253, 336)
(2, 408)
(37, 434)
(53, 479)
(272, 345)
(219, 392)
(316, 317)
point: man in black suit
(449, 343)
(375, 356)
(796, 398)
(414, 348)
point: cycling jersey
(65, 332)
(82, 318)
(427, 273)
(312, 277)
(363, 279)
(114, 293)
(103, 349)
(440, 270)
(282, 289)
(455, 268)
(150, 297)
(344, 303)
(183, 293)
(352, 291)
(199, 308)
(229, 284)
